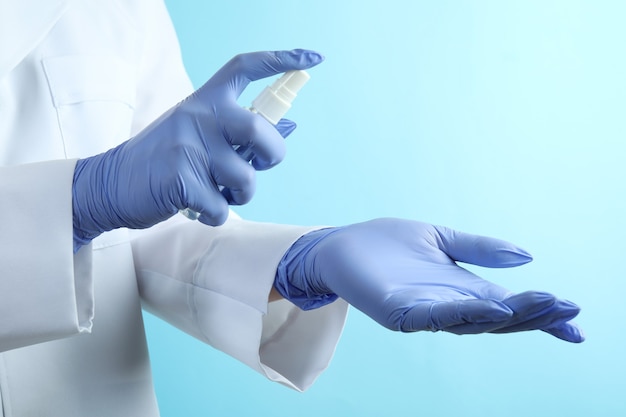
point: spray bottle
(273, 103)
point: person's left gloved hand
(404, 275)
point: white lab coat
(77, 78)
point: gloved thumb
(480, 250)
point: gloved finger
(480, 250)
(526, 307)
(211, 205)
(237, 73)
(568, 331)
(262, 143)
(285, 127)
(236, 176)
(537, 310)
(443, 315)
(561, 312)
(475, 328)
(214, 218)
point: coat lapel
(23, 24)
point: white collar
(23, 24)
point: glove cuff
(292, 280)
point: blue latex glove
(185, 157)
(404, 275)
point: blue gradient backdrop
(493, 117)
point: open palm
(404, 274)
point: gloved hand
(404, 275)
(183, 158)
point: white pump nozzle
(275, 100)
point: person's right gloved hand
(186, 159)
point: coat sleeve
(214, 282)
(46, 292)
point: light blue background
(504, 118)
